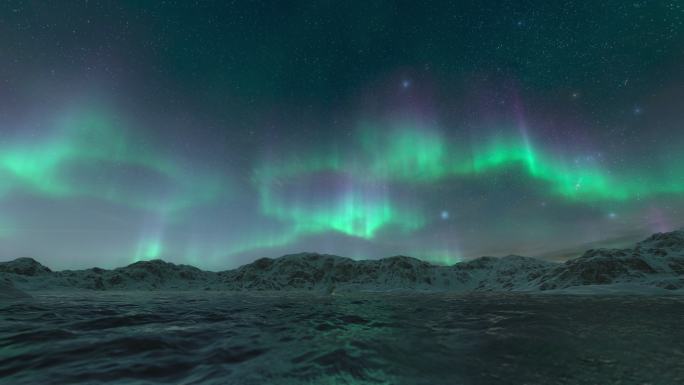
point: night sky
(215, 134)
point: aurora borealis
(213, 134)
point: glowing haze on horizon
(220, 134)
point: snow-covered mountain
(329, 272)
(28, 274)
(656, 262)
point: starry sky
(215, 133)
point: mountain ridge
(655, 262)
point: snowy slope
(508, 273)
(8, 291)
(657, 261)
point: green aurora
(415, 155)
(93, 139)
(235, 131)
(384, 156)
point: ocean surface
(431, 339)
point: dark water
(426, 339)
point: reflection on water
(431, 339)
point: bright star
(578, 185)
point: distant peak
(26, 260)
(667, 239)
(403, 259)
(515, 256)
(24, 266)
(307, 255)
(150, 262)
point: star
(406, 83)
(444, 215)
